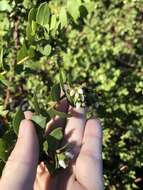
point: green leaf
(43, 14)
(63, 17)
(40, 120)
(10, 137)
(33, 27)
(46, 50)
(53, 22)
(31, 52)
(62, 160)
(62, 78)
(36, 104)
(27, 4)
(57, 133)
(4, 6)
(4, 81)
(29, 32)
(3, 112)
(73, 8)
(22, 53)
(19, 116)
(3, 150)
(54, 138)
(32, 15)
(52, 112)
(45, 146)
(56, 92)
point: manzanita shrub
(87, 51)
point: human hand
(85, 172)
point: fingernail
(40, 168)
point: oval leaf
(63, 17)
(43, 14)
(19, 116)
(39, 120)
(54, 139)
(56, 92)
(52, 112)
(4, 6)
(53, 22)
(32, 15)
(46, 50)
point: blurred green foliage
(98, 43)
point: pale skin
(85, 171)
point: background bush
(99, 43)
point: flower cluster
(78, 97)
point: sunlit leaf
(43, 14)
(32, 15)
(4, 6)
(73, 8)
(3, 112)
(46, 50)
(22, 53)
(53, 22)
(39, 120)
(4, 81)
(63, 17)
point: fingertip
(94, 127)
(77, 112)
(28, 115)
(25, 126)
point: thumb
(20, 169)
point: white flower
(78, 105)
(83, 104)
(82, 98)
(80, 91)
(62, 164)
(72, 92)
(69, 155)
(76, 96)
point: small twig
(6, 100)
(16, 40)
(23, 60)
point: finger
(75, 128)
(23, 160)
(28, 115)
(43, 178)
(62, 106)
(89, 163)
(36, 185)
(40, 171)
